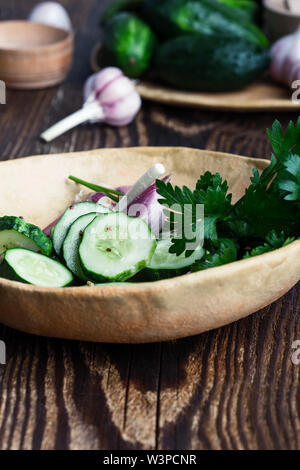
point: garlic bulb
(109, 97)
(285, 65)
(52, 14)
(116, 95)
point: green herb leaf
(270, 205)
(273, 242)
(263, 211)
(221, 252)
(282, 143)
(210, 191)
(292, 185)
(111, 193)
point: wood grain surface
(232, 388)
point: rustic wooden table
(232, 388)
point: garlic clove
(96, 83)
(52, 14)
(116, 90)
(296, 73)
(122, 112)
(285, 57)
(88, 88)
(279, 52)
(292, 72)
(105, 76)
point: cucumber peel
(117, 6)
(72, 213)
(129, 43)
(72, 242)
(210, 64)
(15, 233)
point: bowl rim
(67, 40)
(218, 272)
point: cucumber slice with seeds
(115, 247)
(15, 233)
(33, 268)
(72, 242)
(70, 215)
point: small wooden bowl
(34, 55)
(279, 20)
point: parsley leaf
(221, 252)
(273, 242)
(282, 143)
(210, 180)
(211, 192)
(181, 207)
(265, 218)
(292, 185)
(262, 211)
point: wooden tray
(258, 97)
(37, 188)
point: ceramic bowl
(38, 189)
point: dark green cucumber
(247, 8)
(210, 17)
(129, 43)
(203, 63)
(118, 6)
(33, 268)
(15, 233)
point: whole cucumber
(210, 63)
(247, 8)
(129, 43)
(178, 17)
(120, 5)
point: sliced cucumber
(15, 233)
(70, 215)
(33, 268)
(115, 247)
(163, 259)
(165, 264)
(72, 242)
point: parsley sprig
(265, 218)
